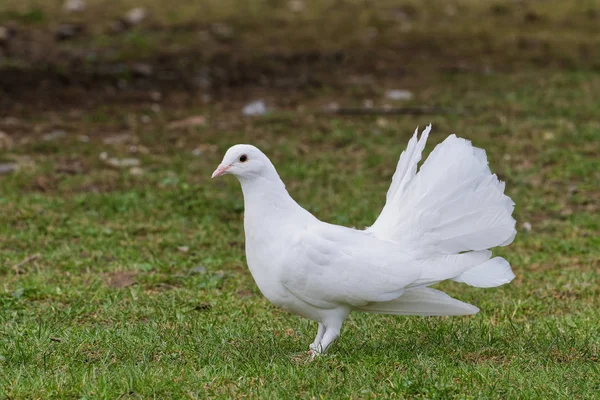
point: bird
(439, 222)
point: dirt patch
(276, 49)
(121, 279)
(486, 357)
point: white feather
(422, 301)
(495, 272)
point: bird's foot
(315, 350)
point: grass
(116, 284)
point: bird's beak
(221, 169)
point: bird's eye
(243, 158)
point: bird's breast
(265, 263)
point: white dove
(437, 224)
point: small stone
(83, 138)
(118, 26)
(526, 226)
(136, 171)
(6, 142)
(548, 135)
(156, 95)
(382, 122)
(450, 10)
(73, 6)
(145, 119)
(123, 162)
(201, 78)
(332, 106)
(138, 148)
(566, 212)
(204, 148)
(572, 189)
(399, 94)
(253, 108)
(199, 269)
(4, 34)
(368, 103)
(8, 168)
(68, 31)
(57, 134)
(183, 249)
(11, 121)
(135, 16)
(488, 70)
(142, 69)
(223, 31)
(406, 26)
(120, 139)
(155, 108)
(296, 5)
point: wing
(330, 265)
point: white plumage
(437, 224)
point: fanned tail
(452, 205)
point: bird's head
(243, 161)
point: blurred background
(119, 254)
(90, 51)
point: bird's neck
(266, 192)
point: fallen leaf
(244, 293)
(191, 122)
(121, 279)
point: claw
(315, 349)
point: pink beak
(221, 169)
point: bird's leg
(314, 346)
(332, 332)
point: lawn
(122, 267)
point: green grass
(136, 285)
(70, 330)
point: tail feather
(421, 301)
(452, 207)
(407, 164)
(492, 273)
(441, 268)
